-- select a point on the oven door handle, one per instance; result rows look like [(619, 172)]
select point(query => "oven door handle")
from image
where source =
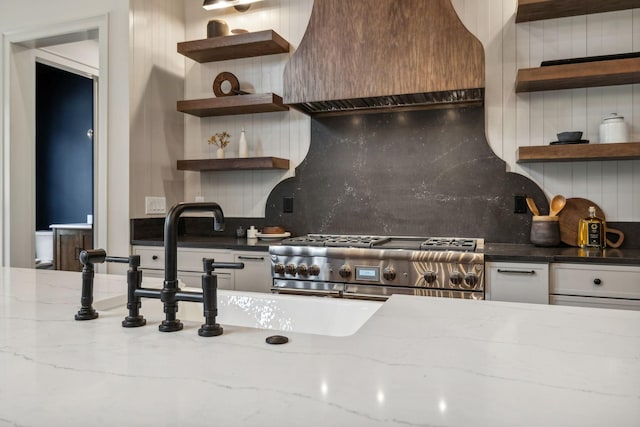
[(312, 292), (371, 297)]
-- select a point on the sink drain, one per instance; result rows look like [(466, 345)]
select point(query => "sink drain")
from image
[(277, 339)]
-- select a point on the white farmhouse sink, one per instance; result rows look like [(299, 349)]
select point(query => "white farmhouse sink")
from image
[(292, 313)]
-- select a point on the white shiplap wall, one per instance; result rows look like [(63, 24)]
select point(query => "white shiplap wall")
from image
[(156, 82), (534, 118), (512, 120), (281, 134)]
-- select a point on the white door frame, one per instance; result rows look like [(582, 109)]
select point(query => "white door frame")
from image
[(17, 156)]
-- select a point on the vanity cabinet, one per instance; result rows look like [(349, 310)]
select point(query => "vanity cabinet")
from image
[(189, 264), (517, 282), (68, 242), (256, 275), (589, 285)]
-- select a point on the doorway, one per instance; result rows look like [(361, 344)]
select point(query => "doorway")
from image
[(21, 52)]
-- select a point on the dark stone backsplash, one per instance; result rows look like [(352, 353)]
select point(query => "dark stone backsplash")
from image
[(412, 173), (428, 172)]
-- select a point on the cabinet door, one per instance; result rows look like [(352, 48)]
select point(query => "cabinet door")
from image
[(68, 243), (518, 282), (256, 274), (595, 280)]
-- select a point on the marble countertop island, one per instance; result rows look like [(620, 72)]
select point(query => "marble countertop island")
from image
[(418, 361)]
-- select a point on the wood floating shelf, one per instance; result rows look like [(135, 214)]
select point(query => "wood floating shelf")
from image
[(586, 74), (248, 163), (232, 105), (577, 152), (245, 45), (535, 10)]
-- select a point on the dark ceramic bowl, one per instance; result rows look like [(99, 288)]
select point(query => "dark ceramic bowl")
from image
[(569, 136)]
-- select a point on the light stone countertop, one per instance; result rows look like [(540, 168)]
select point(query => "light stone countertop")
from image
[(418, 361)]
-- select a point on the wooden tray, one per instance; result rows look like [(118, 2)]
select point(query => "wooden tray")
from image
[(569, 217)]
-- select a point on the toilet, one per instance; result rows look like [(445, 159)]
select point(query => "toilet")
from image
[(44, 249)]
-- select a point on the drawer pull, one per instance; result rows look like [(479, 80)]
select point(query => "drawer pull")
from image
[(500, 270), (155, 257), (597, 281), (254, 258)]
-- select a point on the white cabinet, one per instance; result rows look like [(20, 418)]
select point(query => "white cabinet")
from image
[(190, 268), (517, 282), (595, 285), (256, 275)]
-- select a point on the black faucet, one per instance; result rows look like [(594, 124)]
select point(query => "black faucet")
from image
[(170, 288), (170, 294)]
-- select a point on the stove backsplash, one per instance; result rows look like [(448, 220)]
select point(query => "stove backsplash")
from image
[(427, 172)]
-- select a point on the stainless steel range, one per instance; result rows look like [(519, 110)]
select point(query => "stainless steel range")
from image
[(374, 267)]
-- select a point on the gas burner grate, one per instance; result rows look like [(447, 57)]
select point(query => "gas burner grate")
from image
[(333, 240), (354, 241), (448, 244)]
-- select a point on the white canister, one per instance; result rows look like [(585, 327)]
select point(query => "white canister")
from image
[(614, 129)]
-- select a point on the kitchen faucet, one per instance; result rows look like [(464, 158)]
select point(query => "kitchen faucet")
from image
[(170, 293)]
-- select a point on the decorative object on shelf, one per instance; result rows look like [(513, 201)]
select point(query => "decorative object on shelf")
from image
[(252, 233), (613, 129), (243, 150), (232, 83), (221, 140), (217, 28), (239, 5), (571, 137)]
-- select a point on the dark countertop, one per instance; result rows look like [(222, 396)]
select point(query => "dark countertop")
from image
[(213, 242), (493, 251), (530, 253)]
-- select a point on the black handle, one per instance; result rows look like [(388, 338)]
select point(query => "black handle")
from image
[(253, 258), (155, 257), (597, 281), (500, 270)]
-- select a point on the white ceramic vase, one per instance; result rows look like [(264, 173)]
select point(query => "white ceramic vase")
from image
[(243, 150), (220, 153)]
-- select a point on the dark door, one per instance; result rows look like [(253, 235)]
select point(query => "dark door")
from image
[(64, 151)]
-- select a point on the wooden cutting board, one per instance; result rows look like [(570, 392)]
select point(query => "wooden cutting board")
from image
[(569, 217)]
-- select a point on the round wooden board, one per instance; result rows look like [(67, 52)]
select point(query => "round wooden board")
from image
[(569, 217)]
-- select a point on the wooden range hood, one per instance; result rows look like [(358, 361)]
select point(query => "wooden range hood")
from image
[(362, 55)]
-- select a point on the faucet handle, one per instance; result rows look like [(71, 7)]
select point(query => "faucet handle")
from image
[(210, 264)]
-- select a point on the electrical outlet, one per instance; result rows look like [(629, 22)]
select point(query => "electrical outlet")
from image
[(155, 205), (287, 205), (520, 203)]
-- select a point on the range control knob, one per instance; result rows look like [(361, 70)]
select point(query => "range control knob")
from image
[(314, 270), (471, 279), (456, 277), (389, 273), (302, 270), (278, 268), (430, 276), (291, 269), (345, 271)]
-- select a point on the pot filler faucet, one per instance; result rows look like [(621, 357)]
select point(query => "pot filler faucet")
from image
[(170, 293)]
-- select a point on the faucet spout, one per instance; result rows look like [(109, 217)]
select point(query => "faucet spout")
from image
[(168, 293)]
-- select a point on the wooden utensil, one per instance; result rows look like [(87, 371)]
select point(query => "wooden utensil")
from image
[(576, 208), (532, 206), (557, 204)]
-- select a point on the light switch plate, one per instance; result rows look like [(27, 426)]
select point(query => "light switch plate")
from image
[(155, 205)]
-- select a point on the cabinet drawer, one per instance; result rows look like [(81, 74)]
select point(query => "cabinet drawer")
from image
[(620, 304), (191, 259), (190, 278), (607, 281), (188, 259), (256, 275), (517, 282)]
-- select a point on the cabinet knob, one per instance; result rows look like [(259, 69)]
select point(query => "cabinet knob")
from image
[(155, 257), (597, 281)]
